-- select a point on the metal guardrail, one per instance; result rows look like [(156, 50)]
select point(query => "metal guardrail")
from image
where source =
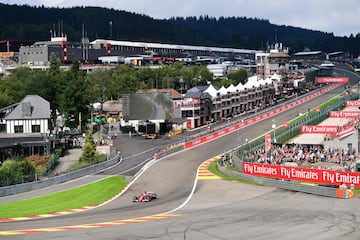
[(20, 188)]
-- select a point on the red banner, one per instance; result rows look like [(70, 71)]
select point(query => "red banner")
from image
[(333, 80), (344, 114), (267, 142), (301, 174), (346, 132), (355, 103), (318, 129), (212, 136)]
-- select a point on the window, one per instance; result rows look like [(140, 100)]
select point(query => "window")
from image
[(35, 128), (18, 128)]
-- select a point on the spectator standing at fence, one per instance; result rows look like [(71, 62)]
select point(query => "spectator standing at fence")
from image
[(231, 160), (343, 186)]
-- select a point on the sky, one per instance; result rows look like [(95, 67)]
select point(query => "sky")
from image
[(332, 16)]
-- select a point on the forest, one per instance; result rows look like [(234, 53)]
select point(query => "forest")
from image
[(23, 22)]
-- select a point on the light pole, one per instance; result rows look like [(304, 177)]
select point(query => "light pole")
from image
[(181, 81), (193, 112), (274, 127), (241, 129)]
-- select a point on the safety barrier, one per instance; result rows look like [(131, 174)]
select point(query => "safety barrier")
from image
[(291, 185), (20, 188)]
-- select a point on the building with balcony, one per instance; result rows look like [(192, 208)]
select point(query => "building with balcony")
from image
[(204, 104)]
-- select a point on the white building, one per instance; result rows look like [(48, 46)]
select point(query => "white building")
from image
[(31, 115), (218, 70)]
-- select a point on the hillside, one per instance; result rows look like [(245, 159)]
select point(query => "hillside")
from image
[(36, 23)]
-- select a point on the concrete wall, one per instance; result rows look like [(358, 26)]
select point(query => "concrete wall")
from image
[(34, 54)]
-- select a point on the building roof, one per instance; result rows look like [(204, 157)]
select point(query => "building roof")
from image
[(31, 107), (150, 45), (231, 88), (278, 55), (336, 53), (240, 86), (212, 90), (113, 106), (174, 94), (309, 53), (198, 88), (223, 91), (193, 94), (252, 82), (178, 120)]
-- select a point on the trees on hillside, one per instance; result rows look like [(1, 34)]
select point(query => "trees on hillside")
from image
[(239, 32)]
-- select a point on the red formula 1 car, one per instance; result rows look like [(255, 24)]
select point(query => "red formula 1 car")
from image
[(145, 197)]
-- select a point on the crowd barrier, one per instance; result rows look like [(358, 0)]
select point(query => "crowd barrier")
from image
[(291, 185)]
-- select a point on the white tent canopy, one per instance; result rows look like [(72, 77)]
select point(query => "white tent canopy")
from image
[(252, 82), (231, 88), (223, 91), (212, 91), (240, 87)]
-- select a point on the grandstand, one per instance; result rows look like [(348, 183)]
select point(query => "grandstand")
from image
[(343, 139)]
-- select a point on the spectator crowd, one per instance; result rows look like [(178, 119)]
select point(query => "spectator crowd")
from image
[(304, 155)]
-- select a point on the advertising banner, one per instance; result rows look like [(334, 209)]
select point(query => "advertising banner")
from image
[(344, 114), (301, 174), (346, 132), (267, 142), (333, 80), (355, 103), (318, 129)]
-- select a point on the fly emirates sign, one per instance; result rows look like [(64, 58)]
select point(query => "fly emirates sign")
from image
[(333, 80), (301, 174), (318, 129), (355, 103), (344, 114)]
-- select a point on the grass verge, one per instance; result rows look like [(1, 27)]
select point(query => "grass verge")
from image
[(87, 195), (213, 167)]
